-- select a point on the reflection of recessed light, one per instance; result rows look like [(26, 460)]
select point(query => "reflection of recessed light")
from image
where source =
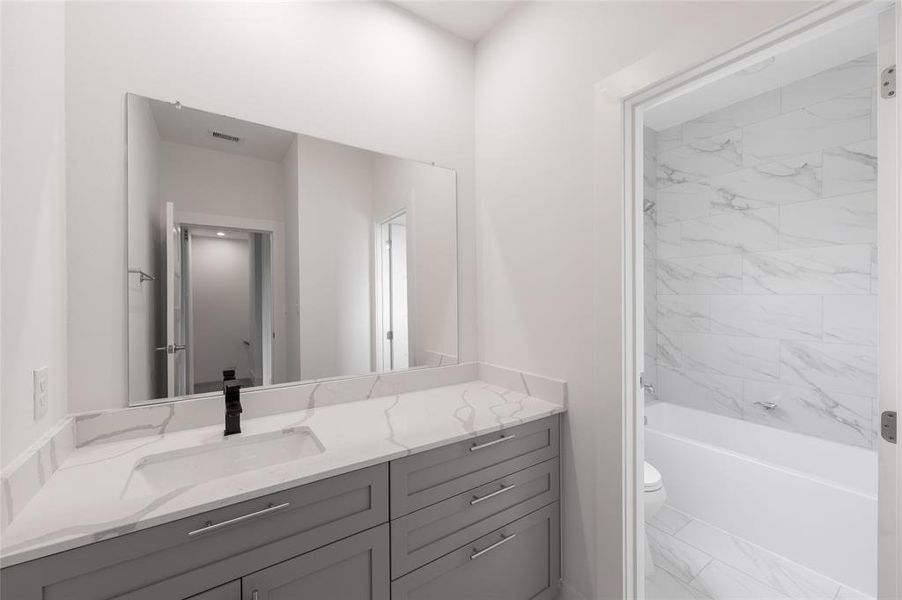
[(220, 233)]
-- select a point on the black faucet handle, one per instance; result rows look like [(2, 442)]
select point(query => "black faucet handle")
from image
[(232, 392), (228, 374)]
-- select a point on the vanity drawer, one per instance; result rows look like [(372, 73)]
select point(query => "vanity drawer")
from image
[(517, 562), (179, 559), (429, 477), (436, 530)]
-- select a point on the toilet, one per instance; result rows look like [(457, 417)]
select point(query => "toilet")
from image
[(653, 497)]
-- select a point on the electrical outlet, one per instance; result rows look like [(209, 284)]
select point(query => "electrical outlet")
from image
[(41, 379)]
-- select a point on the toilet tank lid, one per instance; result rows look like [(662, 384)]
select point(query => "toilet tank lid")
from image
[(652, 478)]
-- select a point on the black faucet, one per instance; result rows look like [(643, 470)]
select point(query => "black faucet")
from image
[(232, 391)]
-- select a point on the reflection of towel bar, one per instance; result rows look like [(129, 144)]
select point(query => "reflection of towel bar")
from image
[(142, 275)]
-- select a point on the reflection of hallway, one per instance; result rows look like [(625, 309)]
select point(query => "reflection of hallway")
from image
[(696, 560)]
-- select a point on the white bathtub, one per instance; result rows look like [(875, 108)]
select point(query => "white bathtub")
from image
[(810, 500)]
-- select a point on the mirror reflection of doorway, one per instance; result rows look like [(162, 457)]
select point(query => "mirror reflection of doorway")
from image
[(395, 350), (226, 291)]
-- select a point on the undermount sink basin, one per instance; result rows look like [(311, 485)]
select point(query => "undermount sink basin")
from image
[(230, 456)]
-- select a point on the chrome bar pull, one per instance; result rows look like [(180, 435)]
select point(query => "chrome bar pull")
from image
[(766, 405), (504, 539), (210, 527), (503, 438), (504, 488)]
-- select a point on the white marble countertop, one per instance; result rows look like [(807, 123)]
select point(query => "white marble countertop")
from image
[(85, 499)]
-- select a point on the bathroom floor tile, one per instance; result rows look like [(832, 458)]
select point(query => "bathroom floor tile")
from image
[(669, 520), (723, 582), (696, 560), (845, 593), (778, 573), (675, 556), (665, 586)]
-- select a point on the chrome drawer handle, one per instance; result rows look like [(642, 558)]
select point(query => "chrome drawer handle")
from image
[(504, 539), (504, 488), (503, 438), (210, 527)]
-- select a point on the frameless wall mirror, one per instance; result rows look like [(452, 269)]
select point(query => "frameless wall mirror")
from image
[(279, 256)]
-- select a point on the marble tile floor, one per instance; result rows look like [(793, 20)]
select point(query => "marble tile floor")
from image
[(696, 560)]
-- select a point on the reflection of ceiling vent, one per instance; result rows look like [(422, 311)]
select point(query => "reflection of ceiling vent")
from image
[(225, 136)]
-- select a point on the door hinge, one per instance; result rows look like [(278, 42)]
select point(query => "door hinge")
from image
[(888, 82), (390, 335), (888, 426)]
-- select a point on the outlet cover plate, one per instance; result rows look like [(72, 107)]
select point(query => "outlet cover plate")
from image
[(41, 382)]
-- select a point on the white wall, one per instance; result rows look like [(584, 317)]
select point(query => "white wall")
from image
[(550, 234), (335, 198), (200, 180), (364, 74), (33, 216), (427, 194), (220, 280), (145, 230)]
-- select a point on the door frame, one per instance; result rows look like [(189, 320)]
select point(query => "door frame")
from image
[(383, 359), (276, 230), (635, 90)]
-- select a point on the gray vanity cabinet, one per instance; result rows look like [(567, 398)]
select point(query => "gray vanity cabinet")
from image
[(229, 591), (517, 562), (355, 568), (473, 520), (189, 556)]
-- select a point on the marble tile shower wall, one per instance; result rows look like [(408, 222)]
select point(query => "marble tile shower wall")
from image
[(761, 231)]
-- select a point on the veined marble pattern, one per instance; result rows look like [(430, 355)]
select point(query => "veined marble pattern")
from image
[(844, 418), (825, 270), (849, 219), (851, 168), (843, 368), (770, 183), (702, 158), (742, 231), (120, 424), (743, 357), (765, 219), (26, 475), (833, 122), (696, 560), (851, 319), (744, 112), (767, 316), (719, 394), (82, 502), (701, 275)]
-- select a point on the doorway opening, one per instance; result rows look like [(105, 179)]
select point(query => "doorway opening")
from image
[(394, 293), (765, 320), (225, 315)]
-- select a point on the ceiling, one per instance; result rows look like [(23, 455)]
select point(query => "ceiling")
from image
[(792, 64), (194, 127), (469, 19)]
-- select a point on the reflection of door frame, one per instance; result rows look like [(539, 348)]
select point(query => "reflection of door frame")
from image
[(626, 94), (276, 231), (382, 297)]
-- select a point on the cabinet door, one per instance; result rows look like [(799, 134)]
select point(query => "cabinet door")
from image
[(355, 568), (517, 562), (229, 591)]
